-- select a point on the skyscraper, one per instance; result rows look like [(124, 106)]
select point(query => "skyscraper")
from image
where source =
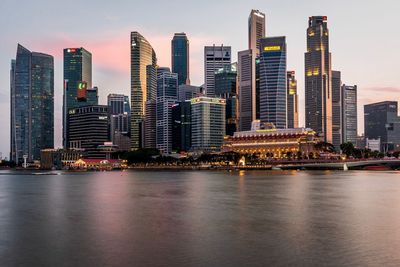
[(225, 87), (208, 123), (167, 96), (273, 87), (119, 119), (292, 101), (256, 29), (187, 92), (349, 114), (215, 57), (32, 104), (336, 109), (318, 78), (180, 57), (142, 55), (247, 72), (181, 126), (77, 84)]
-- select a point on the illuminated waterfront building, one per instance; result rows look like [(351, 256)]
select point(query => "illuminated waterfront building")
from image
[(292, 101), (276, 143), (318, 78), (142, 56), (208, 123), (31, 105)]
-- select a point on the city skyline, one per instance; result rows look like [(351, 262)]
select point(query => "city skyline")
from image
[(111, 72)]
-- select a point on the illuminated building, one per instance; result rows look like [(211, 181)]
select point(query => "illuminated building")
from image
[(382, 122), (273, 87), (225, 87), (292, 101), (31, 105), (181, 126), (337, 138), (318, 87), (215, 58), (349, 113), (276, 143), (167, 96), (142, 55), (180, 57), (77, 84), (88, 129), (208, 124)]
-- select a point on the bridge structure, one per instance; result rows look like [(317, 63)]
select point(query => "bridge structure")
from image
[(388, 164)]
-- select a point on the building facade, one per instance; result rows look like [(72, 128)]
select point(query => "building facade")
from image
[(273, 143), (208, 123), (226, 88), (180, 57), (337, 109), (246, 93), (181, 126), (88, 127), (273, 87), (318, 81), (77, 82), (119, 118), (167, 96), (31, 105), (215, 58), (349, 114), (381, 121), (142, 83), (292, 100), (187, 92)]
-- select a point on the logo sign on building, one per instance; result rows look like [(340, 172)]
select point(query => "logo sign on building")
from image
[(82, 91), (272, 48)]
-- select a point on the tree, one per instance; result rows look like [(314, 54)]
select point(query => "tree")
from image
[(325, 147), (348, 149)]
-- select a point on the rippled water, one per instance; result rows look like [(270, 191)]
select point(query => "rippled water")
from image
[(200, 219)]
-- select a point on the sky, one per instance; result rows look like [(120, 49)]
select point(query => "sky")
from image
[(364, 40)]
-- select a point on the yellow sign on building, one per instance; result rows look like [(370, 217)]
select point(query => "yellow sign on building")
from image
[(272, 48)]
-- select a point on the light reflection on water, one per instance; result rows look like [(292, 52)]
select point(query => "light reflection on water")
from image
[(245, 218)]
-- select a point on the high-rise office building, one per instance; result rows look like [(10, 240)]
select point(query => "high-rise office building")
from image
[(226, 88), (257, 29), (208, 123), (273, 87), (349, 114), (167, 96), (142, 55), (88, 129), (246, 92), (381, 121), (77, 84), (181, 126), (292, 101), (215, 57), (180, 57), (32, 104), (187, 92), (336, 109), (119, 112), (318, 78), (150, 125)]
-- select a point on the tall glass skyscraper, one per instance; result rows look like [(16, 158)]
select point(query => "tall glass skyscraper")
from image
[(167, 96), (142, 55), (78, 90), (318, 78), (257, 29), (337, 109), (32, 104), (273, 99), (180, 57), (292, 101)]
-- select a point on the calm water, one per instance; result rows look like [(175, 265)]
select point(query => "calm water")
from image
[(200, 219)]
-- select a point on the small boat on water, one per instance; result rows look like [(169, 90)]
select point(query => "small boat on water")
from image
[(377, 168)]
